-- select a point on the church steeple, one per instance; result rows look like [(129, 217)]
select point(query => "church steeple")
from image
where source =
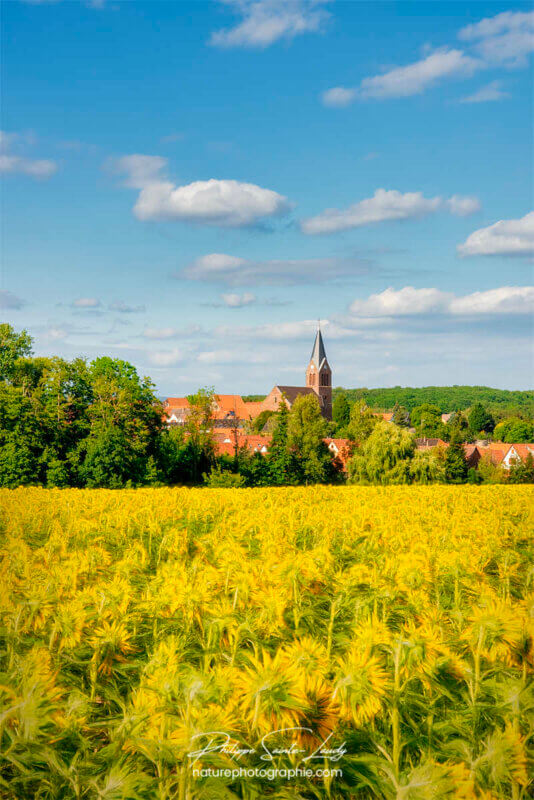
[(319, 375), (318, 353)]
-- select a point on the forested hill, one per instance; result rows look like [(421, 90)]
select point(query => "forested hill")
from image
[(448, 398)]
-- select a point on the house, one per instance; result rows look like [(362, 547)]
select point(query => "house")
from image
[(228, 409), (424, 443), (225, 444), (341, 450), (517, 453)]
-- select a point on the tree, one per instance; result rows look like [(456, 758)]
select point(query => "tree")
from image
[(282, 463), (126, 421), (514, 431), (458, 428), (455, 462), (401, 416), (13, 346), (306, 430), (522, 472), (199, 434), (385, 456), (427, 467), (362, 422), (480, 420), (341, 411), (261, 420), (426, 419)]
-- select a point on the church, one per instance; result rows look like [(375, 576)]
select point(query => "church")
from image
[(318, 381), (229, 409)]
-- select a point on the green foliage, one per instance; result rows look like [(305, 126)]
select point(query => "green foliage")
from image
[(283, 468), (362, 422), (456, 468), (427, 466), (13, 346), (341, 410), (261, 420), (426, 419), (224, 479), (514, 431), (384, 457), (499, 402), (401, 416), (480, 419), (306, 430), (522, 472)]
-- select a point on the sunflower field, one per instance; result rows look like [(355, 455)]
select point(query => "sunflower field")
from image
[(314, 642)]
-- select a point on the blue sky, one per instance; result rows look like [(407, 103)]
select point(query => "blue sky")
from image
[(190, 186)]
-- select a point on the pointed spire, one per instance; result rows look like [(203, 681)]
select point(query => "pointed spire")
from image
[(318, 353)]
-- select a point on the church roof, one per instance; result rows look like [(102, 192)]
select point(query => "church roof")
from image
[(318, 353), (292, 392)]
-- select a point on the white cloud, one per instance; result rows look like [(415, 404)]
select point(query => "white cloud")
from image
[(504, 39), (9, 163), (417, 77), (227, 203), (218, 357), (504, 300), (490, 93), (139, 169), (506, 237), (410, 301), (338, 97), (86, 302), (55, 334), (165, 358), (462, 205), (35, 168), (266, 21), (160, 333), (384, 205), (242, 272), (10, 300), (238, 300)]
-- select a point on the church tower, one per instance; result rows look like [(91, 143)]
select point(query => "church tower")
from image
[(319, 375)]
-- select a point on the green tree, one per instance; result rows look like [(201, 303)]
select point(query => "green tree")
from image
[(283, 465), (427, 467), (458, 428), (306, 431), (200, 446), (261, 420), (401, 416), (341, 411), (385, 457), (362, 422), (426, 419), (480, 420), (522, 472), (126, 421), (514, 431), (455, 462), (13, 346)]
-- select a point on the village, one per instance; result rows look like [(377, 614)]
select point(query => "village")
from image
[(234, 421)]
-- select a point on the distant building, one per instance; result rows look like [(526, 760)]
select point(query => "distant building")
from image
[(318, 382), (230, 410)]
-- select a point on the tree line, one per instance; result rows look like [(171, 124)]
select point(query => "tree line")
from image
[(99, 424), (501, 403)]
